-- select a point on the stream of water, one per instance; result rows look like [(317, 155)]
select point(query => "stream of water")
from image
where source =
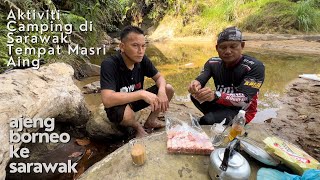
[(180, 63)]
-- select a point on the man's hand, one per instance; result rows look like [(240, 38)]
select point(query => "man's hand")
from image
[(151, 99), (163, 101), (194, 87), (204, 94)]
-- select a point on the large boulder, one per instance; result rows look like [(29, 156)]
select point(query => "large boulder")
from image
[(48, 92)]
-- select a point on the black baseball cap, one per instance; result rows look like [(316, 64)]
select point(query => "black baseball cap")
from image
[(230, 34)]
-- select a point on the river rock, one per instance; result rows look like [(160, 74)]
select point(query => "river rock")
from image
[(99, 126), (92, 88), (89, 69), (48, 92)]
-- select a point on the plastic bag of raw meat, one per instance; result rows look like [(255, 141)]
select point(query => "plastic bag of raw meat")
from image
[(185, 138)]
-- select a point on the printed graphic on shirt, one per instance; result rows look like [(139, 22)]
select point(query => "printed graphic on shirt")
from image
[(236, 97), (248, 61), (137, 86), (252, 83), (130, 88), (221, 88)]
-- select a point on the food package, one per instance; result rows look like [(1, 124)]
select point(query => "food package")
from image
[(294, 157), (185, 138)]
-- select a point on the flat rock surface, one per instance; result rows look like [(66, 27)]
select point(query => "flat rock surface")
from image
[(159, 164)]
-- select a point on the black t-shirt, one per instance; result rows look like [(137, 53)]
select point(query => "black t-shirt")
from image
[(116, 76), (239, 85)]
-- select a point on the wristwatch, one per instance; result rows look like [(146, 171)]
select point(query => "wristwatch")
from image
[(217, 95)]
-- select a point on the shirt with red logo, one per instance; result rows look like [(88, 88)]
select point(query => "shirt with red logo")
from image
[(116, 76), (239, 84)]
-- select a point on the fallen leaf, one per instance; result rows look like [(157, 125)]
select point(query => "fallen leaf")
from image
[(88, 152), (83, 142), (75, 154)]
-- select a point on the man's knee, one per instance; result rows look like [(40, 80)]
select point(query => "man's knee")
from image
[(169, 90), (210, 118)]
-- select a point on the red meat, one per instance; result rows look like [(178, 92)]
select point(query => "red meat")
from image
[(189, 142)]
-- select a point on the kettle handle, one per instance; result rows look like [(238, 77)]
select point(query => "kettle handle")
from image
[(229, 151)]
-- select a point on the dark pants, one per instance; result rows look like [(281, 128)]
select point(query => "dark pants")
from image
[(215, 113), (115, 113)]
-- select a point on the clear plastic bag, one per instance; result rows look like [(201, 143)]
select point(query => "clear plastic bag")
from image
[(185, 138)]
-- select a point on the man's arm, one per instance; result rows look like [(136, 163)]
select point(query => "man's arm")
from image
[(111, 98), (162, 95), (205, 74), (160, 82), (248, 88), (196, 87), (244, 93)]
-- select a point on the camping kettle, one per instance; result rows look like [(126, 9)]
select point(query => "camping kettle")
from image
[(227, 163)]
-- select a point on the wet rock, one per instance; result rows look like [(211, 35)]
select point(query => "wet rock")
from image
[(47, 93), (92, 88), (89, 69), (99, 125), (47, 153)]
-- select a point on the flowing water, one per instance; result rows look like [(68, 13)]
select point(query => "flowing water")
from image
[(180, 63)]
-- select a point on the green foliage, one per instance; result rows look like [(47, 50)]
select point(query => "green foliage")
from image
[(274, 16), (263, 16), (104, 14), (138, 11), (283, 16), (3, 42), (308, 16)]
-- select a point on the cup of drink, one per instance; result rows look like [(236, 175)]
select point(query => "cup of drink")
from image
[(138, 151), (217, 136)]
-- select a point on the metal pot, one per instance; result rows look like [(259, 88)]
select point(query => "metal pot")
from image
[(226, 163), (258, 153)]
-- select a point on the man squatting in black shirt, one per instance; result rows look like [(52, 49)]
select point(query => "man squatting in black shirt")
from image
[(237, 80), (122, 78)]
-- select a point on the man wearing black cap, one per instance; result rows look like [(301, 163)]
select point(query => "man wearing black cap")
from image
[(237, 80)]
